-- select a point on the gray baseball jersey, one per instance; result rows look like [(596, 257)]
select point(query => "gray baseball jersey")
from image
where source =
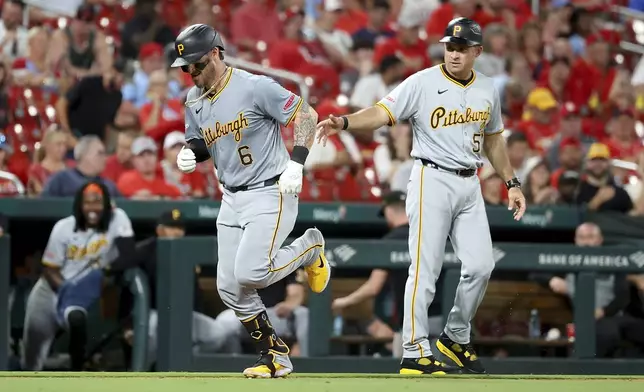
[(241, 127), (448, 120), (71, 250)]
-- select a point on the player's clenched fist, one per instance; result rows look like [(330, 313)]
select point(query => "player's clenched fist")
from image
[(291, 180), (186, 160), (328, 127)]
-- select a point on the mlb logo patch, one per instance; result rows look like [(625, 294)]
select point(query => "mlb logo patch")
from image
[(289, 102)]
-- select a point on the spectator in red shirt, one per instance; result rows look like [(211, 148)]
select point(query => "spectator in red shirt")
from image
[(449, 10), (538, 124), (353, 18), (7, 187), (191, 185), (50, 159), (569, 159), (144, 182), (406, 45), (564, 84), (570, 127), (253, 22), (121, 161), (622, 141), (595, 71), (162, 114)]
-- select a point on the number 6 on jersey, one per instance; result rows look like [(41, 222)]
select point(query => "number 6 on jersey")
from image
[(246, 158)]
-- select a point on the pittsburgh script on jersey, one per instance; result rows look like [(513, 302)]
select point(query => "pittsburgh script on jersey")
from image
[(442, 118), (235, 127), (79, 252)]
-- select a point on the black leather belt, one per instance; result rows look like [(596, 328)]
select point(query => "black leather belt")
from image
[(235, 189), (458, 172)]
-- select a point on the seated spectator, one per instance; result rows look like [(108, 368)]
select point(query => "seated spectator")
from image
[(89, 154), (371, 88), (564, 85), (497, 44), (570, 128), (145, 26), (531, 45), (567, 187), (622, 139), (80, 49), (13, 35), (7, 187), (151, 58), (336, 42), (570, 158), (191, 185), (537, 188), (407, 45), (377, 28), (388, 158), (144, 182), (33, 70), (50, 159), (353, 16), (517, 70), (598, 190), (449, 10), (595, 70), (538, 124), (613, 326), (121, 161), (253, 22), (91, 105), (518, 154), (492, 187), (161, 115)]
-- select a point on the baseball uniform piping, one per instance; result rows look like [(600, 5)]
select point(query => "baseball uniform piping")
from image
[(295, 259), (495, 133), (230, 74), (50, 264), (392, 120), (297, 109), (448, 77), (420, 232), (277, 226)]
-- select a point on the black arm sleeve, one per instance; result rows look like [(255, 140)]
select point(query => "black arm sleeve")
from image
[(198, 146), (620, 290), (127, 257)]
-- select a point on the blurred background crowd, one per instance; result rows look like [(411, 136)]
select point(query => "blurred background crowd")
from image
[(92, 95)]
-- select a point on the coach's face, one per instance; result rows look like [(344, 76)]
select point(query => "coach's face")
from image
[(459, 59)]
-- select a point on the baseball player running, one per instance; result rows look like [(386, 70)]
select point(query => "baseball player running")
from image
[(234, 117), (79, 247), (455, 114)]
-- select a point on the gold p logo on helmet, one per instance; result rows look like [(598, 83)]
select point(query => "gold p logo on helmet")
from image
[(457, 29), (176, 214), (180, 49)]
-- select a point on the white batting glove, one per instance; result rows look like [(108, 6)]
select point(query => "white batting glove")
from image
[(186, 160), (291, 180)]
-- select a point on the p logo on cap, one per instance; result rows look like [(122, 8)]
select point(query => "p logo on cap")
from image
[(457, 29), (176, 214), (180, 49)]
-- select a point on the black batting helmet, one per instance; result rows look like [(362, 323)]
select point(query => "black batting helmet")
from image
[(194, 42), (463, 31)]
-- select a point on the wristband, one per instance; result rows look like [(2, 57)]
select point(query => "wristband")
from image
[(346, 123), (513, 183), (299, 154)]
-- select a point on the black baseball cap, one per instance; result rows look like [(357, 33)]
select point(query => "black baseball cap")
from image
[(172, 218), (569, 177), (393, 197)]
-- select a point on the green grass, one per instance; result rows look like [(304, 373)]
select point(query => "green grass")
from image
[(227, 382)]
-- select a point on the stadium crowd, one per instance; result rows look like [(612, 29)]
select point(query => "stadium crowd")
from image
[(92, 95)]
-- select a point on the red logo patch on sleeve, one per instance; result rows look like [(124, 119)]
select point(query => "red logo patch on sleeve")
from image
[(289, 102), (388, 98)]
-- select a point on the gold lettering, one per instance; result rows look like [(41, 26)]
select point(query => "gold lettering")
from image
[(77, 253), (235, 127), (440, 117), (436, 116), (180, 49)]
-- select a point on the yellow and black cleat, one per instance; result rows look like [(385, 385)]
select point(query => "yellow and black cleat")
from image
[(462, 354), (319, 274), (267, 367), (426, 365)]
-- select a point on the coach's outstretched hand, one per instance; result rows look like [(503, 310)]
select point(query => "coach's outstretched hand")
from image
[(186, 160), (328, 127), (291, 180), (516, 202)]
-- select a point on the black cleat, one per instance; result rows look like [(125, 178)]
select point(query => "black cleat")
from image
[(462, 354), (426, 365)]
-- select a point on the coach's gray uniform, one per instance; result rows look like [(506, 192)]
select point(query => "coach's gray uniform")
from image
[(449, 122), (71, 251), (241, 127)]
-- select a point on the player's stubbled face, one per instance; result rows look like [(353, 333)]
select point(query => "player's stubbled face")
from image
[(459, 57), (202, 73), (92, 208)]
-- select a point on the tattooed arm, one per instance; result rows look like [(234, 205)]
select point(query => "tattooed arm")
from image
[(305, 121)]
